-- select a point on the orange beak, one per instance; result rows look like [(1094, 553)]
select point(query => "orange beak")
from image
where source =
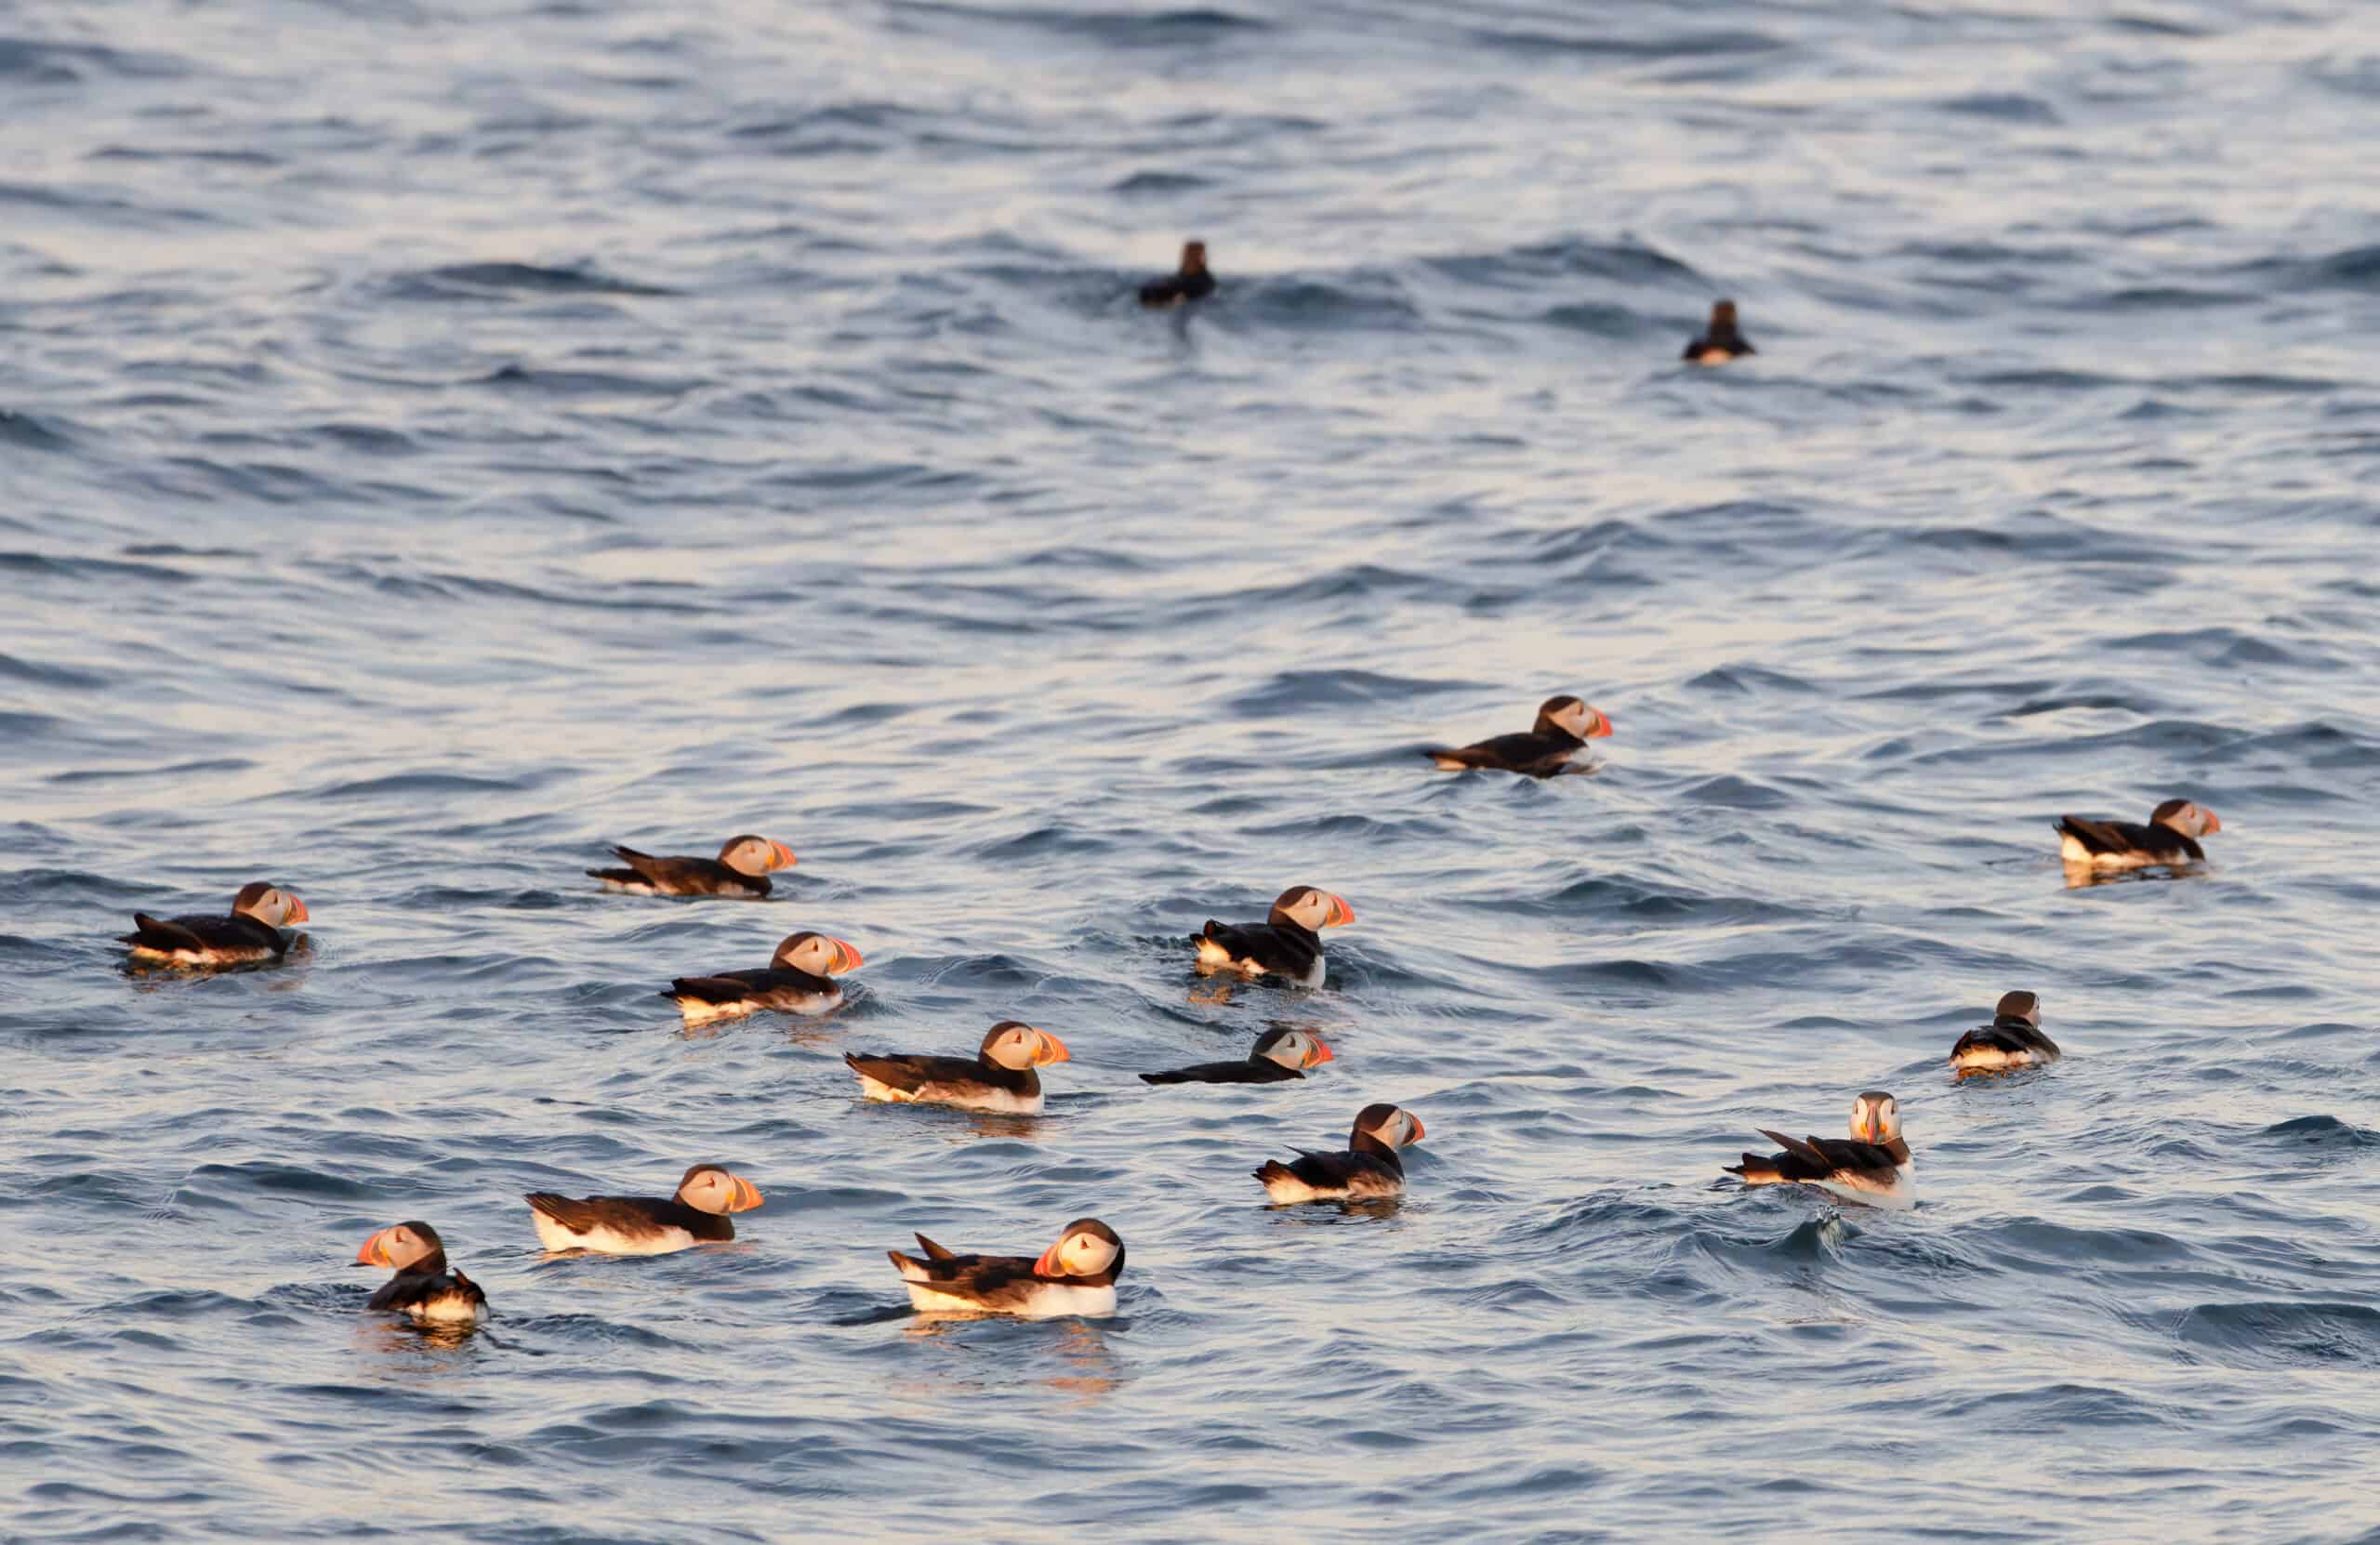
[(1602, 724), (1048, 1264), (1340, 912), (1319, 1055), (2212, 823), (1052, 1049), (846, 958), (782, 854), (1417, 1127), (746, 1197), (375, 1252), (298, 913)]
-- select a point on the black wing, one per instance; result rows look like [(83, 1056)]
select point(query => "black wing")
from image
[(2124, 836), (1524, 751), (233, 931), (725, 987), (905, 1072), (1274, 948), (2018, 1036), (687, 877), (1323, 1171), (1825, 1156), (1249, 1070)]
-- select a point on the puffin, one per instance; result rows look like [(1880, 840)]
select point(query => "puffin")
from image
[(796, 982), (1720, 342), (425, 1290), (1280, 1056), (646, 1225), (2012, 1040), (1191, 281), (1368, 1167), (1872, 1167), (2167, 839), (1564, 726), (999, 1078), (1076, 1276), (1288, 942), (251, 933), (741, 870)]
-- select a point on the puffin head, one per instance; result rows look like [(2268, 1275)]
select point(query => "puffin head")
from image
[(1310, 909), (2185, 817), (1876, 1117), (1089, 1248), (1390, 1124), (1193, 258), (2023, 1006), (399, 1245), (755, 856), (268, 904), (709, 1188), (1723, 317), (816, 954), (1583, 719), (1293, 1048), (1017, 1045)]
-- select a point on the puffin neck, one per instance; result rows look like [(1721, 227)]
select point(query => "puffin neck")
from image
[(1552, 732), (1022, 1080)]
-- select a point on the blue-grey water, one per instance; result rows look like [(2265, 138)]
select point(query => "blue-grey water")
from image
[(437, 439)]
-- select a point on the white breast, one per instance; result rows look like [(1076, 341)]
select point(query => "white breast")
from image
[(454, 1308), (1895, 1192), (973, 1097), (608, 1240), (702, 1011), (1289, 1188), (2075, 853), (1047, 1301)]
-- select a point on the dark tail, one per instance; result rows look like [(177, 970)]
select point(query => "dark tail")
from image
[(1164, 1078), (1756, 1170), (1275, 1169), (624, 876)]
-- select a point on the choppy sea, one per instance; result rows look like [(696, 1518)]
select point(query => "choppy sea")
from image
[(439, 439)]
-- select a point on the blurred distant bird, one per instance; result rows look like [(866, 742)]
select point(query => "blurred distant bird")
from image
[(1721, 342), (1191, 281)]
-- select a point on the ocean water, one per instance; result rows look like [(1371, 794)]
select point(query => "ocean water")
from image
[(439, 439)]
